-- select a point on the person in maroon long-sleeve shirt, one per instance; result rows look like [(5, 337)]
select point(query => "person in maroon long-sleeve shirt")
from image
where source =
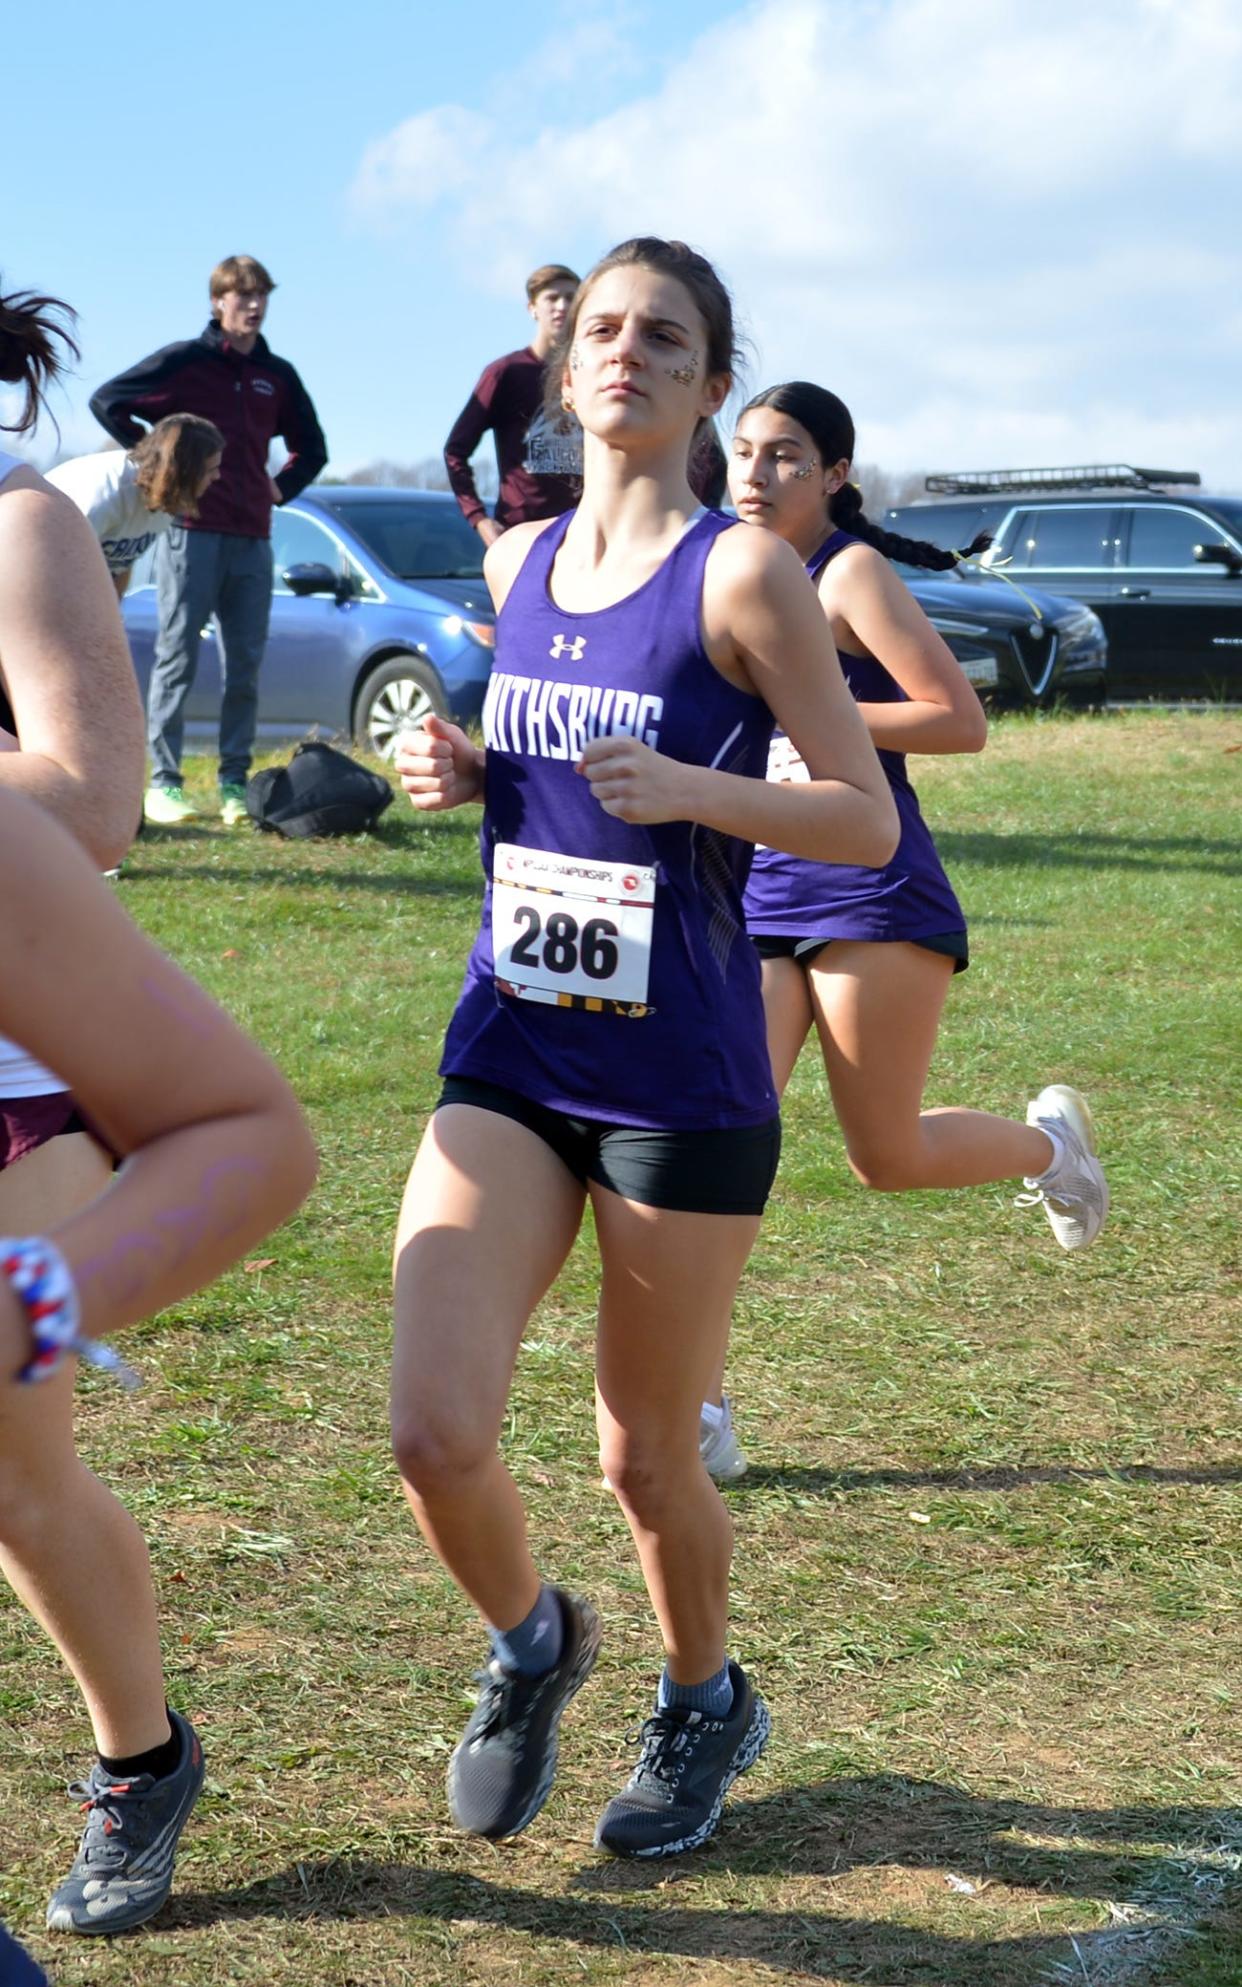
[(539, 458), (218, 561)]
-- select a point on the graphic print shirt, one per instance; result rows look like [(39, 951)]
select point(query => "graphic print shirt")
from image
[(104, 487)]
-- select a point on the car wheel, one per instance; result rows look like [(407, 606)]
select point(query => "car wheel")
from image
[(394, 699)]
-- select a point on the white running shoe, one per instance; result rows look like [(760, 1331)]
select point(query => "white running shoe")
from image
[(1074, 1193), (168, 806), (718, 1443)]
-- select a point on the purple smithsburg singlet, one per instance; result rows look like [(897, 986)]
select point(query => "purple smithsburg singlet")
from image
[(911, 898), (611, 977)]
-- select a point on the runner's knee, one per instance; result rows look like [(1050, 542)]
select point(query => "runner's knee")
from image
[(34, 1487), (884, 1165), (436, 1447), (647, 1471)]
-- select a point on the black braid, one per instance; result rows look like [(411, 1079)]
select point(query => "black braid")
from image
[(828, 422), (846, 511)]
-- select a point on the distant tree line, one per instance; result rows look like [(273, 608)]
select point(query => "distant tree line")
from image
[(880, 487), (427, 474)]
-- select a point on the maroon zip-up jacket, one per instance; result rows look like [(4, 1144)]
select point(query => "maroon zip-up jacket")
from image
[(251, 396)]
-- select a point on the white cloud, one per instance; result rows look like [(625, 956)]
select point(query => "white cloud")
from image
[(969, 216), (427, 159)]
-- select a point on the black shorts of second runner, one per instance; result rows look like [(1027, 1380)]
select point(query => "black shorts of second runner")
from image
[(953, 944), (687, 1172)]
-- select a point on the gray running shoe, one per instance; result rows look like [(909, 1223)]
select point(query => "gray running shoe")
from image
[(687, 1765), (502, 1771), (1075, 1199), (123, 1870), (718, 1445)]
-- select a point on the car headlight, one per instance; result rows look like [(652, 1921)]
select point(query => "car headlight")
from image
[(1085, 626), (482, 632)]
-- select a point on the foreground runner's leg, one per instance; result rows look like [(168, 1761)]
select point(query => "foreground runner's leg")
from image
[(669, 1282), (489, 1215), (72, 1552)]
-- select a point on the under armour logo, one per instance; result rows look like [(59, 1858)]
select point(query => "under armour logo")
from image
[(574, 649)]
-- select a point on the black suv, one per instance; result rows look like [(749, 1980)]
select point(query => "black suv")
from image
[(1160, 564)]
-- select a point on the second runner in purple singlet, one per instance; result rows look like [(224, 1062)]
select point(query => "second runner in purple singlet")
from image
[(609, 1039), (866, 956)]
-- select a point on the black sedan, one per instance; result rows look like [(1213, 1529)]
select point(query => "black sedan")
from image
[(1022, 649)]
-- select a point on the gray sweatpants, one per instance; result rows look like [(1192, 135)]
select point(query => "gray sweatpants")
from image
[(198, 574)]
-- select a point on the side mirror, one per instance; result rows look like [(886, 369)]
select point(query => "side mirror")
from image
[(312, 578), (1219, 555)]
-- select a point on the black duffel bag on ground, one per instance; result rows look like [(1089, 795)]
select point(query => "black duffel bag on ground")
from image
[(320, 792)]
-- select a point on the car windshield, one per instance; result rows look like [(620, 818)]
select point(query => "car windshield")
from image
[(1229, 510), (417, 541)]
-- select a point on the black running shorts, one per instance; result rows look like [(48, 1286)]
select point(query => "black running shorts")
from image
[(688, 1172)]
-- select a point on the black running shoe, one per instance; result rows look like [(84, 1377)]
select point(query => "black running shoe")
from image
[(123, 1870), (501, 1773), (688, 1764)]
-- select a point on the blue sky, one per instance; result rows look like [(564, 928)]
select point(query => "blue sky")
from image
[(1004, 234)]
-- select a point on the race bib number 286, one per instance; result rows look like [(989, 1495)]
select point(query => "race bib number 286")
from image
[(571, 931)]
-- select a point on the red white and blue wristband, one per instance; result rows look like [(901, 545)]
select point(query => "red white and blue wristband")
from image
[(43, 1284)]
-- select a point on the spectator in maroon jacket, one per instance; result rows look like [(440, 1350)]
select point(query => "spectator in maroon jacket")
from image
[(220, 560), (539, 456)]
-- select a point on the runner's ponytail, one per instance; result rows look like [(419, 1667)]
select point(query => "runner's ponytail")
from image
[(29, 356)]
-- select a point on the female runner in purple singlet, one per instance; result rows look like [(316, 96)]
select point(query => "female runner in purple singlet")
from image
[(608, 1043), (865, 956)]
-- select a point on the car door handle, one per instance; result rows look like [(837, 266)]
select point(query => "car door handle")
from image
[(1135, 592)]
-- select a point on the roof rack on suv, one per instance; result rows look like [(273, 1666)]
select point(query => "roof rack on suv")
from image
[(1096, 476)]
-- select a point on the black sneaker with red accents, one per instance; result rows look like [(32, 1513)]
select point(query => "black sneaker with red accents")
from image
[(123, 1870), (687, 1765)]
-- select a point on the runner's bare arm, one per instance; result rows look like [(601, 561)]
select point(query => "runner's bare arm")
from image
[(860, 590), (219, 1150), (440, 768), (502, 561), (67, 669), (765, 631)]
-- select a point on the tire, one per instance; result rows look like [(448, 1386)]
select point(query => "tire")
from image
[(394, 698)]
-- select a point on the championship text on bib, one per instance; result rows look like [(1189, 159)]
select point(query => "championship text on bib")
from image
[(572, 931)]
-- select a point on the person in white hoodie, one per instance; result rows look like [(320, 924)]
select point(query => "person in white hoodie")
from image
[(130, 496)]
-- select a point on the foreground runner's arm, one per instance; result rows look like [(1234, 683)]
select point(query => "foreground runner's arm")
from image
[(765, 631), (218, 1151), (439, 767), (67, 670)]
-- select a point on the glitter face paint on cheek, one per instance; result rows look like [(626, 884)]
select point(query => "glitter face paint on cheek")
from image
[(687, 374), (575, 359), (804, 474)]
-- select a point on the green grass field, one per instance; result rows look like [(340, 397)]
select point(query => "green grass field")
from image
[(987, 1563)]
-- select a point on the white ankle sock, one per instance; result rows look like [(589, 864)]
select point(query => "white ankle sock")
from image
[(1049, 1174)]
